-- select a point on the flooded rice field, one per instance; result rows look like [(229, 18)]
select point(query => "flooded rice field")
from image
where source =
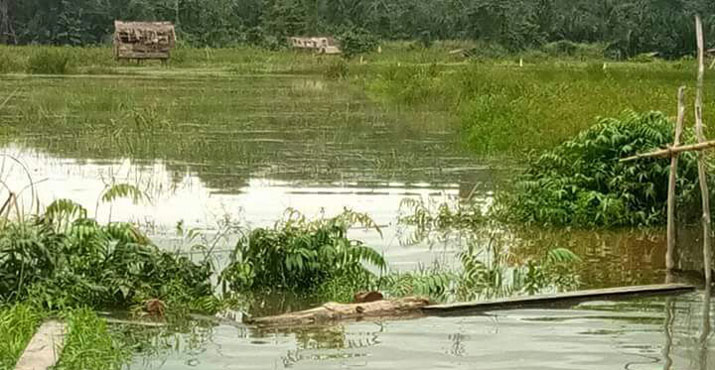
[(242, 150)]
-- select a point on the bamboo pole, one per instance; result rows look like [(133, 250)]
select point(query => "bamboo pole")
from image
[(669, 152), (702, 169), (669, 260)]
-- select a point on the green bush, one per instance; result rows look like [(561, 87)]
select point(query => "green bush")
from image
[(582, 183), (54, 61), (64, 259), (301, 256), (357, 41)]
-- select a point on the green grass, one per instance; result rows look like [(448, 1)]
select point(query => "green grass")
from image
[(17, 326), (501, 109), (90, 344), (505, 110)]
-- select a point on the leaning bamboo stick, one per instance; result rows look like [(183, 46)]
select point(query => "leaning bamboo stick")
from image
[(669, 152), (669, 260), (2, 105), (702, 169)]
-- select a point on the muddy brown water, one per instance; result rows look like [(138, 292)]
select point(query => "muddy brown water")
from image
[(247, 148)]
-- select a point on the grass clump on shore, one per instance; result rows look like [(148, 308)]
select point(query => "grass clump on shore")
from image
[(90, 345), (582, 183), (18, 324)]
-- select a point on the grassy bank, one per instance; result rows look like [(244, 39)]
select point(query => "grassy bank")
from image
[(508, 110), (256, 60), (237, 60), (17, 326)]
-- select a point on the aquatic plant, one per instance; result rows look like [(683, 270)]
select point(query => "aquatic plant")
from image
[(443, 216), (582, 183), (486, 272), (300, 256)]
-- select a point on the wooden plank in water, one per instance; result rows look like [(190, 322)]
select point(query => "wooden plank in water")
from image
[(556, 299), (44, 349)]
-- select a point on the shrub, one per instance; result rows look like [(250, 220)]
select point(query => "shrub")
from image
[(561, 48), (49, 61), (301, 256), (357, 41), (64, 259), (337, 69), (582, 183)]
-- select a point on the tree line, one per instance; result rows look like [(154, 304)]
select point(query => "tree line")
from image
[(627, 26)]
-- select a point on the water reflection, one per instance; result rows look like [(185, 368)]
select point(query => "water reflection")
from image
[(705, 331)]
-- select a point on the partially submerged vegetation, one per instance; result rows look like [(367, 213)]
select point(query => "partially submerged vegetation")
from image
[(508, 111), (62, 259), (304, 257), (90, 344), (582, 183)]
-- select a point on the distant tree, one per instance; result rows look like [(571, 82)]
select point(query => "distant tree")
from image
[(629, 26)]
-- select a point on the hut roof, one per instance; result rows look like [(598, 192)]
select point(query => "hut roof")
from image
[(160, 27)]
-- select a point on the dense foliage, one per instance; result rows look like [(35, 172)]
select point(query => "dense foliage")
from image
[(581, 182), (64, 259), (629, 26), (302, 256)]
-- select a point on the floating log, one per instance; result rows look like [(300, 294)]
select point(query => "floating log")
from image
[(555, 299), (332, 312), (43, 350), (149, 324)]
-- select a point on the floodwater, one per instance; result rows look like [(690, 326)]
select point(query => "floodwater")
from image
[(238, 148), (211, 150), (656, 333)]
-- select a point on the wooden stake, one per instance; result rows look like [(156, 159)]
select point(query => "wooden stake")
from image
[(702, 169), (669, 260)]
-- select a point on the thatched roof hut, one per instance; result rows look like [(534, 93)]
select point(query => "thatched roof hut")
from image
[(322, 45), (143, 40)]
